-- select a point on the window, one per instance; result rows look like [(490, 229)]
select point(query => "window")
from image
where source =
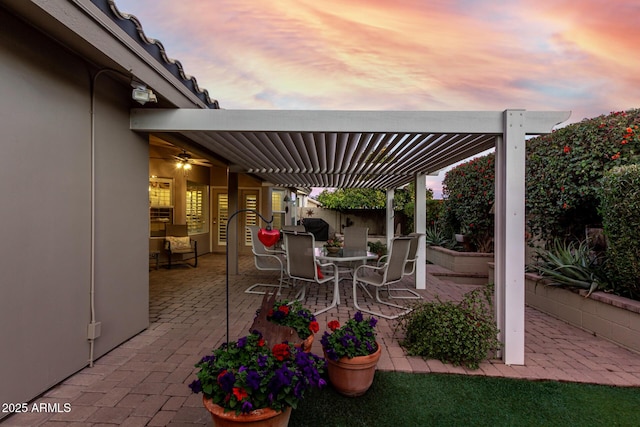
[(223, 218), (277, 209), (160, 205), (197, 204)]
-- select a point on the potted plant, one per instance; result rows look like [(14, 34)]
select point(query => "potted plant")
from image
[(252, 379), (352, 354), (333, 245), (294, 315)]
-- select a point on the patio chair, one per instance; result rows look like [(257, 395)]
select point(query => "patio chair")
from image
[(178, 242), (303, 266), (409, 268), (390, 272), (265, 260), (355, 238)]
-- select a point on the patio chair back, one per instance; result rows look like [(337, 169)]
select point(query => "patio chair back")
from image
[(301, 261), (397, 259), (356, 238), (416, 240)]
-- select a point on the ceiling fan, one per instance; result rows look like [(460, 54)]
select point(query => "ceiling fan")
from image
[(184, 160)]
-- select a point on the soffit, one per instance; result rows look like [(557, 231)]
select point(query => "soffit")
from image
[(357, 149)]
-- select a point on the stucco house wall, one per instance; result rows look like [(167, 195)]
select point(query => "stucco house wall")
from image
[(45, 213)]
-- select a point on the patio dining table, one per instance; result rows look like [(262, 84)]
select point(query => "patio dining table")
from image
[(350, 257)]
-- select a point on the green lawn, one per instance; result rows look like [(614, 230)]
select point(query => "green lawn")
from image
[(401, 400)]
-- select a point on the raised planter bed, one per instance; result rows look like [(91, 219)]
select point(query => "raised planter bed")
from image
[(608, 316), (460, 262)]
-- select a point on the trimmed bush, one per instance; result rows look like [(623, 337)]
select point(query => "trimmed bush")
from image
[(620, 210), (469, 193), (564, 170)]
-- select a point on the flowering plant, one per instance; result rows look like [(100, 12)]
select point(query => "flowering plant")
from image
[(357, 337), (294, 315), (334, 242), (250, 374)]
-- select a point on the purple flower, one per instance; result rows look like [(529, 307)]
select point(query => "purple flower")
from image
[(253, 380), (358, 317), (262, 360), (196, 386), (242, 342), (373, 322), (246, 407), (227, 381)]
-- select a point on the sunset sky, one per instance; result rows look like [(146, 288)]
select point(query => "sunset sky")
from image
[(581, 56)]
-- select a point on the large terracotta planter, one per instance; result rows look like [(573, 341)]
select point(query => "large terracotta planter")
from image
[(266, 417), (353, 377)]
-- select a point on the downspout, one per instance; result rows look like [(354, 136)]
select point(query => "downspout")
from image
[(93, 329)]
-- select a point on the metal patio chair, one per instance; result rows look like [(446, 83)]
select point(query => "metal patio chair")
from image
[(303, 266), (379, 277)]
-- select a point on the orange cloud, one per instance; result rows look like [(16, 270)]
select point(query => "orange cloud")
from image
[(404, 54)]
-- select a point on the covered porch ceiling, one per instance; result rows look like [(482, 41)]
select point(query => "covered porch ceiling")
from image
[(358, 149)]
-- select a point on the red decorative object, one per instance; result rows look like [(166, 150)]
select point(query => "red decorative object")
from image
[(268, 237)]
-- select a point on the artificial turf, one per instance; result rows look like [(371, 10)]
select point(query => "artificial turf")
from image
[(401, 400)]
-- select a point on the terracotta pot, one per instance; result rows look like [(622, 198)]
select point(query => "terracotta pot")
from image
[(265, 417), (353, 377)]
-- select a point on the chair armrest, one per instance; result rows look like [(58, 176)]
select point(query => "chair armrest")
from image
[(382, 260), (370, 267)]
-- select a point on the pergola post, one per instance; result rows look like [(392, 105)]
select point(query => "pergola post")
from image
[(509, 234), (389, 217), (232, 233), (420, 226)]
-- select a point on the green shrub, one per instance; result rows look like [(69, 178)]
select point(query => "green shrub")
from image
[(469, 194), (459, 333), (620, 210), (565, 168), (378, 248)]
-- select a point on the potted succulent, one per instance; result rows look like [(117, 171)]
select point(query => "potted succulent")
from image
[(352, 354), (251, 379), (294, 315)]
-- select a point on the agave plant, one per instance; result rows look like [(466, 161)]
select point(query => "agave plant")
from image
[(571, 264), (434, 236)]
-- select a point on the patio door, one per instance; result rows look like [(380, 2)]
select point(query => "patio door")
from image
[(249, 199)]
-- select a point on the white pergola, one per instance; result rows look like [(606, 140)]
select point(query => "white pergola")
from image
[(383, 150)]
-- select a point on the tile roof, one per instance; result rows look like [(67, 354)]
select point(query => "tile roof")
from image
[(132, 26)]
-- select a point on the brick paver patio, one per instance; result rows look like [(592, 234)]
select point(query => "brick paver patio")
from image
[(144, 380)]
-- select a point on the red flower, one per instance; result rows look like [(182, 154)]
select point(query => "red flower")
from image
[(281, 351), (565, 205), (240, 393), (261, 342), (333, 325), (624, 141), (314, 327), (615, 156), (284, 309), (566, 149)]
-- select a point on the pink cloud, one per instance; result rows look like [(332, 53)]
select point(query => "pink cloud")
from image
[(406, 54)]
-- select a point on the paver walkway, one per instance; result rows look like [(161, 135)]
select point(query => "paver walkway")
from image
[(144, 380)]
